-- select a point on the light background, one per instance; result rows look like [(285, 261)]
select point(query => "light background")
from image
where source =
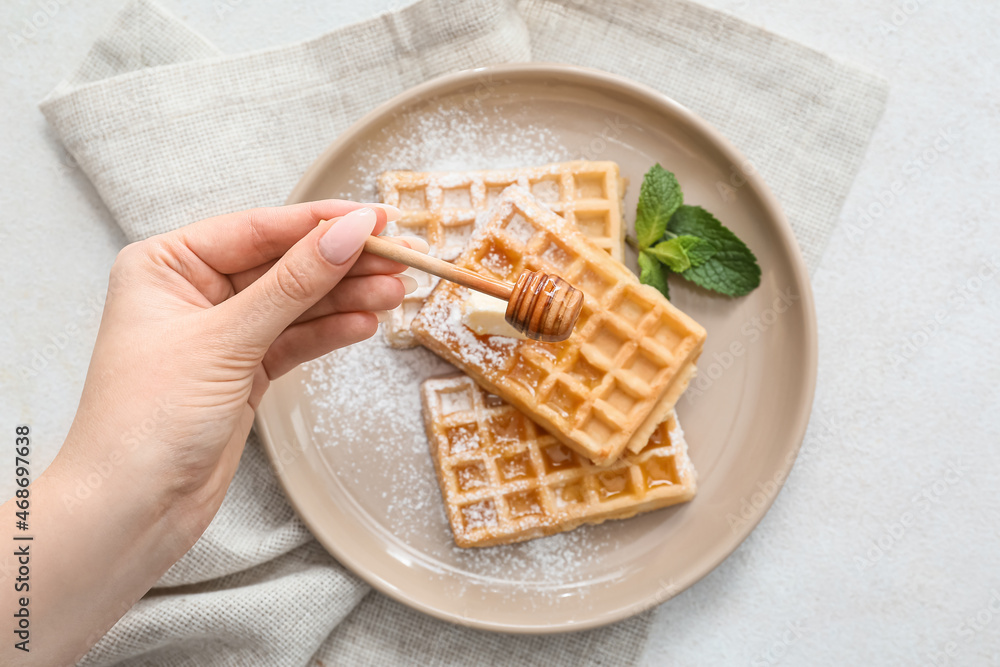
[(909, 368)]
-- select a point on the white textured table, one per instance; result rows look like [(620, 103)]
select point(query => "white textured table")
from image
[(883, 547)]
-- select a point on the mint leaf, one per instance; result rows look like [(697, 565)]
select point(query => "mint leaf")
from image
[(677, 252), (698, 246), (699, 252), (651, 272), (659, 196), (732, 269), (671, 254)]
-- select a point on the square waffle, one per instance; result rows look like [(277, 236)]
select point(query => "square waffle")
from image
[(616, 378), (441, 207), (503, 479)]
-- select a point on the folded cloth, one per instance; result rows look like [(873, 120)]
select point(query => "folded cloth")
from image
[(158, 118)]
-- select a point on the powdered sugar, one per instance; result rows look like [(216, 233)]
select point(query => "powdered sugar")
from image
[(464, 439), (456, 401), (480, 515), (685, 468), (366, 415), (453, 138), (443, 319)]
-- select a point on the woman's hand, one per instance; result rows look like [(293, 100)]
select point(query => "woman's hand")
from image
[(197, 322)]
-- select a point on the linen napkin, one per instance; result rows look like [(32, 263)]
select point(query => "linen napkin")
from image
[(156, 116)]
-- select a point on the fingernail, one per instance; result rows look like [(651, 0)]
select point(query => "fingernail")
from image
[(391, 212), (409, 283), (381, 315), (347, 235), (416, 243)]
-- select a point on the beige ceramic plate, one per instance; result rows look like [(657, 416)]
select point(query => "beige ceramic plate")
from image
[(345, 436)]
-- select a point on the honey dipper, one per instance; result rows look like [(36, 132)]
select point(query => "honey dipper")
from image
[(539, 305)]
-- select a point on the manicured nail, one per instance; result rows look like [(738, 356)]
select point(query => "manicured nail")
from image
[(416, 243), (381, 315), (391, 212), (409, 283), (347, 235)]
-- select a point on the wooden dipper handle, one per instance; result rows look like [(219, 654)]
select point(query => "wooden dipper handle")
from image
[(540, 306), (438, 267)]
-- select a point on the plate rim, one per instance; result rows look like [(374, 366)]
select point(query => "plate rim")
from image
[(575, 75)]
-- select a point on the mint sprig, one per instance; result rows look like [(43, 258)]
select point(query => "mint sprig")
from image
[(652, 272), (659, 198), (673, 237), (682, 252)]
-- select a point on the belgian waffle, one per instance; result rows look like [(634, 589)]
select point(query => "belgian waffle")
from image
[(503, 479), (441, 207), (614, 380)]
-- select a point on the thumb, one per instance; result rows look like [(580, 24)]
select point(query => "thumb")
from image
[(307, 271)]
